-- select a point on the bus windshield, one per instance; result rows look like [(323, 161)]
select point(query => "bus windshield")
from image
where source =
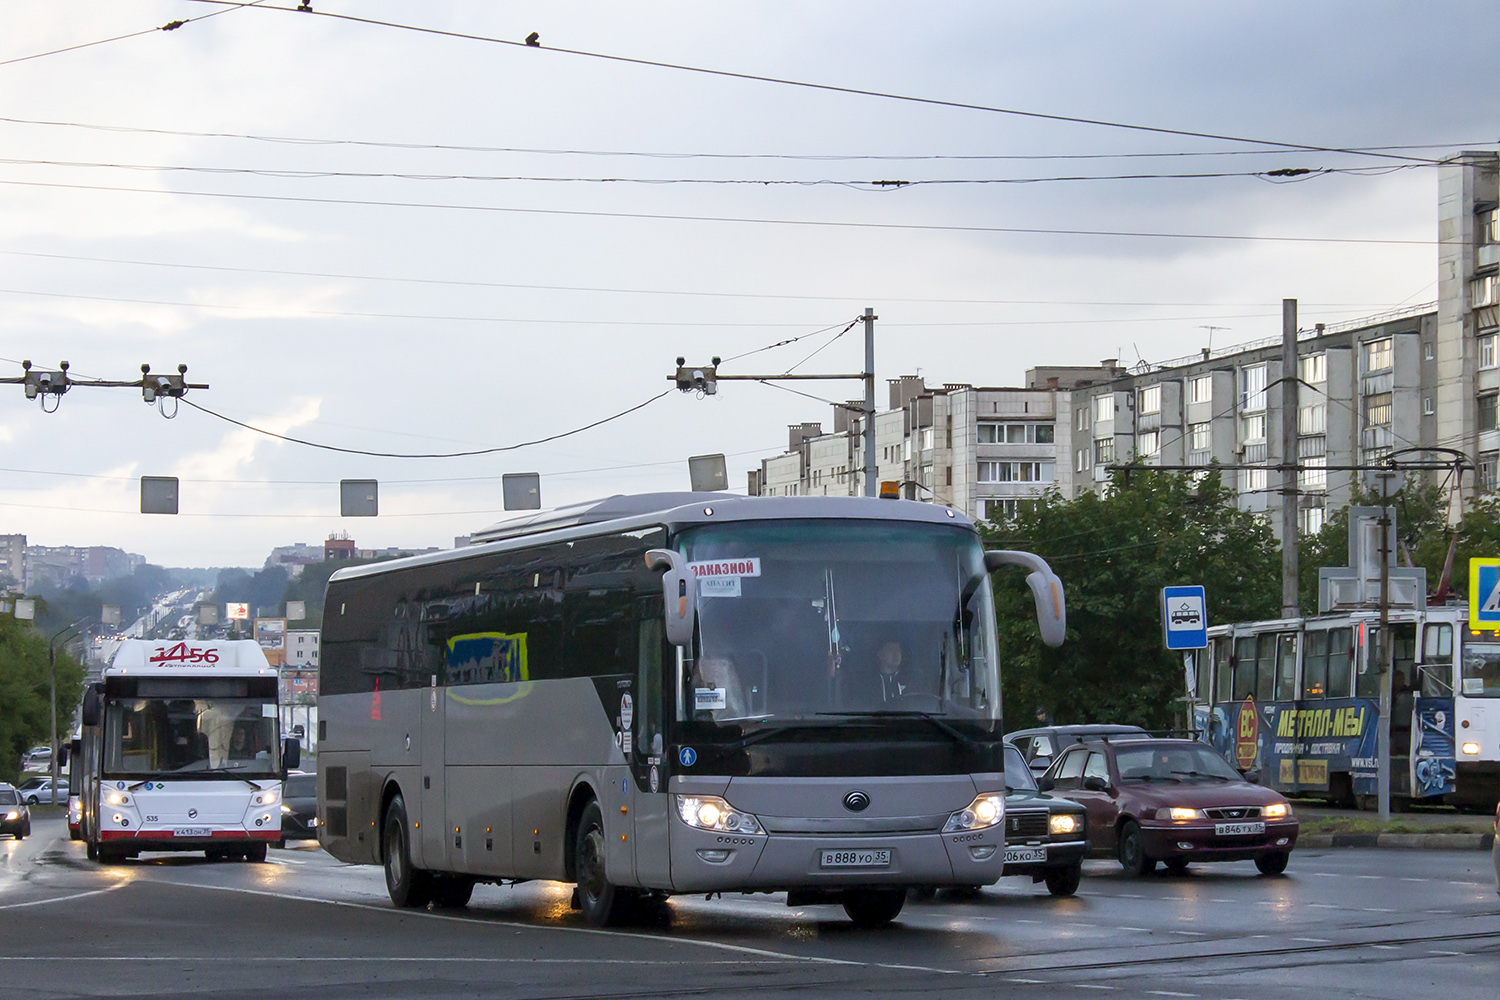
[(185, 736), (807, 621)]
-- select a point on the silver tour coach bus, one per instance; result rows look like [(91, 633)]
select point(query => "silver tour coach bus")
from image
[(675, 693)]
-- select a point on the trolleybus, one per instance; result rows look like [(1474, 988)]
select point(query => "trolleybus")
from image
[(1299, 701), (675, 693), (181, 752)]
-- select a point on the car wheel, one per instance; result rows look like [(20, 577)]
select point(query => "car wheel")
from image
[(453, 892), (1177, 865), (408, 885), (870, 908), (1273, 863), (255, 854), (1064, 881), (601, 902), (1133, 857), (20, 834), (33, 800)]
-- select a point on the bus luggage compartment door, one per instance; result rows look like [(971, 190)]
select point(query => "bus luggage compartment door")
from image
[(435, 831)]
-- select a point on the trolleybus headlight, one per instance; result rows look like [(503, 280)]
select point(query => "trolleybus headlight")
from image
[(985, 811), (117, 799), (1276, 810), (1064, 823), (1472, 749), (1176, 812), (266, 799), (709, 812)]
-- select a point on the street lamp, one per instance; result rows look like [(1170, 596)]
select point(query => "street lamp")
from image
[(52, 664)]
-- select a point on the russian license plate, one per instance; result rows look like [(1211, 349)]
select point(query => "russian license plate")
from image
[(191, 831), (1238, 829), (1020, 855), (856, 859)]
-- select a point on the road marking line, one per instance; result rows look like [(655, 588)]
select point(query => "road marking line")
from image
[(1091, 986), (1450, 954), (1221, 900), (62, 899), (1028, 982), (1386, 947), (1377, 909), (1190, 933), (1169, 993), (718, 945), (1144, 929), (1414, 880), (1315, 940), (1323, 906)]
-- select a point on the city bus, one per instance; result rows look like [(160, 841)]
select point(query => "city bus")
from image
[(181, 752), (1298, 700), (675, 693)]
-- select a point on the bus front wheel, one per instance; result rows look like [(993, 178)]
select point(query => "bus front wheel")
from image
[(873, 907), (408, 885), (256, 853), (602, 903)]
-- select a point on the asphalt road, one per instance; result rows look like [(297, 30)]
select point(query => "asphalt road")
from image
[(1341, 923)]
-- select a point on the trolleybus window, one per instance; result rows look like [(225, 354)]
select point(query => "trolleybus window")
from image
[(800, 621), (1481, 676), (1437, 661), (1286, 666), (1340, 661), (1315, 665), (151, 736)]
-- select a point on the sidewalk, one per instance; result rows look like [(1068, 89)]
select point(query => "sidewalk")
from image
[(1430, 828)]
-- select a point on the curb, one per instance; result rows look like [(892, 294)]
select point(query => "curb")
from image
[(1402, 841)]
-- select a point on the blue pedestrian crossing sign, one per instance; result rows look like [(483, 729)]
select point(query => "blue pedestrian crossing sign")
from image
[(1484, 593), (1184, 617)]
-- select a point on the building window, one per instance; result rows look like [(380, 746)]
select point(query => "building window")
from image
[(1151, 399), (1379, 354), (1484, 290), (1313, 419), (1014, 472), (1030, 433), (1253, 387), (1104, 450), (1427, 408), (1082, 422), (1148, 444), (926, 439), (1485, 474), (1314, 474), (1313, 368), (1253, 481), (1310, 522), (1488, 226), (1081, 460), (1487, 357), (1377, 409), (1104, 407), (1428, 351), (1201, 389), (1487, 412), (1253, 427), (1201, 436)]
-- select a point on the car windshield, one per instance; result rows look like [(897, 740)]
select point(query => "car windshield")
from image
[(803, 620), (1017, 775), (167, 735), (301, 786), (9, 798), (1173, 762)]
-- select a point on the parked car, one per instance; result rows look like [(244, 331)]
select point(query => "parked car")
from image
[(299, 807), (1040, 746), (15, 818), (37, 760), (31, 782), (41, 794), (1045, 836), (1175, 801)]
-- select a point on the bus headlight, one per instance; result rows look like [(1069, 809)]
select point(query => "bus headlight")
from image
[(709, 812), (985, 811), (117, 799), (1064, 823), (266, 799), (1471, 749), (1276, 810)]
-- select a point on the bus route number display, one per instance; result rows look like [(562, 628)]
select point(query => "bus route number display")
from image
[(183, 655)]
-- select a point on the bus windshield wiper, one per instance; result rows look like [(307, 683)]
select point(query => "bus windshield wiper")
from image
[(947, 729)]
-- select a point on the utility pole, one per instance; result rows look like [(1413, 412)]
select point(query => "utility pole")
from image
[(1290, 605), (1387, 651), (52, 702), (872, 472)]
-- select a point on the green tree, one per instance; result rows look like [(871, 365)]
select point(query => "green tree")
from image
[(1114, 552), (25, 680)]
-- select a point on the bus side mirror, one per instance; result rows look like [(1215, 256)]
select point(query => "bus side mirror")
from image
[(1046, 590), (90, 711), (679, 591), (291, 754)]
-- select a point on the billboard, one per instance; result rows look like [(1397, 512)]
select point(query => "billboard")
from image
[(270, 635)]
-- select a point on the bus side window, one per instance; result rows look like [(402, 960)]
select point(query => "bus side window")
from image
[(1340, 661), (1286, 666), (648, 685), (1244, 668), (1437, 661), (1315, 666)]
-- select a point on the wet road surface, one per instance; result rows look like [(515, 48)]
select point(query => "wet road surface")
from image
[(1341, 923)]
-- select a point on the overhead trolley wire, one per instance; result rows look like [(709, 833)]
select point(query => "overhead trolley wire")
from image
[(169, 26)]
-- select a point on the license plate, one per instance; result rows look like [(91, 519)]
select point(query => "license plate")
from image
[(1238, 829), (191, 831), (1019, 855), (856, 859)]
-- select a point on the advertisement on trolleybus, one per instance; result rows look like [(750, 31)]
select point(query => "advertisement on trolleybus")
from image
[(676, 693), (181, 752)]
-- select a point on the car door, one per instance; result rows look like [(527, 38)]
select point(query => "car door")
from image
[(1102, 805)]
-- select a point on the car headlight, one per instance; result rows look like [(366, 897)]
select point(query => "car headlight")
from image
[(985, 811), (1276, 810), (117, 799), (1064, 823), (286, 809), (13, 814), (266, 799), (709, 812), (1176, 813)]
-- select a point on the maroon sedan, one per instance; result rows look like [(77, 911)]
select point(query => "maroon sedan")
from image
[(1173, 801)]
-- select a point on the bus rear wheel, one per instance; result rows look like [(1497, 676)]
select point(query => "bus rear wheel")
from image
[(256, 853), (601, 901), (408, 885), (452, 892), (873, 907)]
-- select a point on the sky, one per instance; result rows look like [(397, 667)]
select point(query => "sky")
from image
[(390, 240)]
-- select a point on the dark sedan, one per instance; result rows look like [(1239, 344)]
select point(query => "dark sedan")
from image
[(1175, 802), (15, 818), (1044, 835), (299, 807)]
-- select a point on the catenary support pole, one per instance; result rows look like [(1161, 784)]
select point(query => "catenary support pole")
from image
[(872, 471), (1290, 605), (1387, 648)]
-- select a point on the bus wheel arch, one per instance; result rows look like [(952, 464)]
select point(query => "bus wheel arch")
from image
[(578, 800)]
